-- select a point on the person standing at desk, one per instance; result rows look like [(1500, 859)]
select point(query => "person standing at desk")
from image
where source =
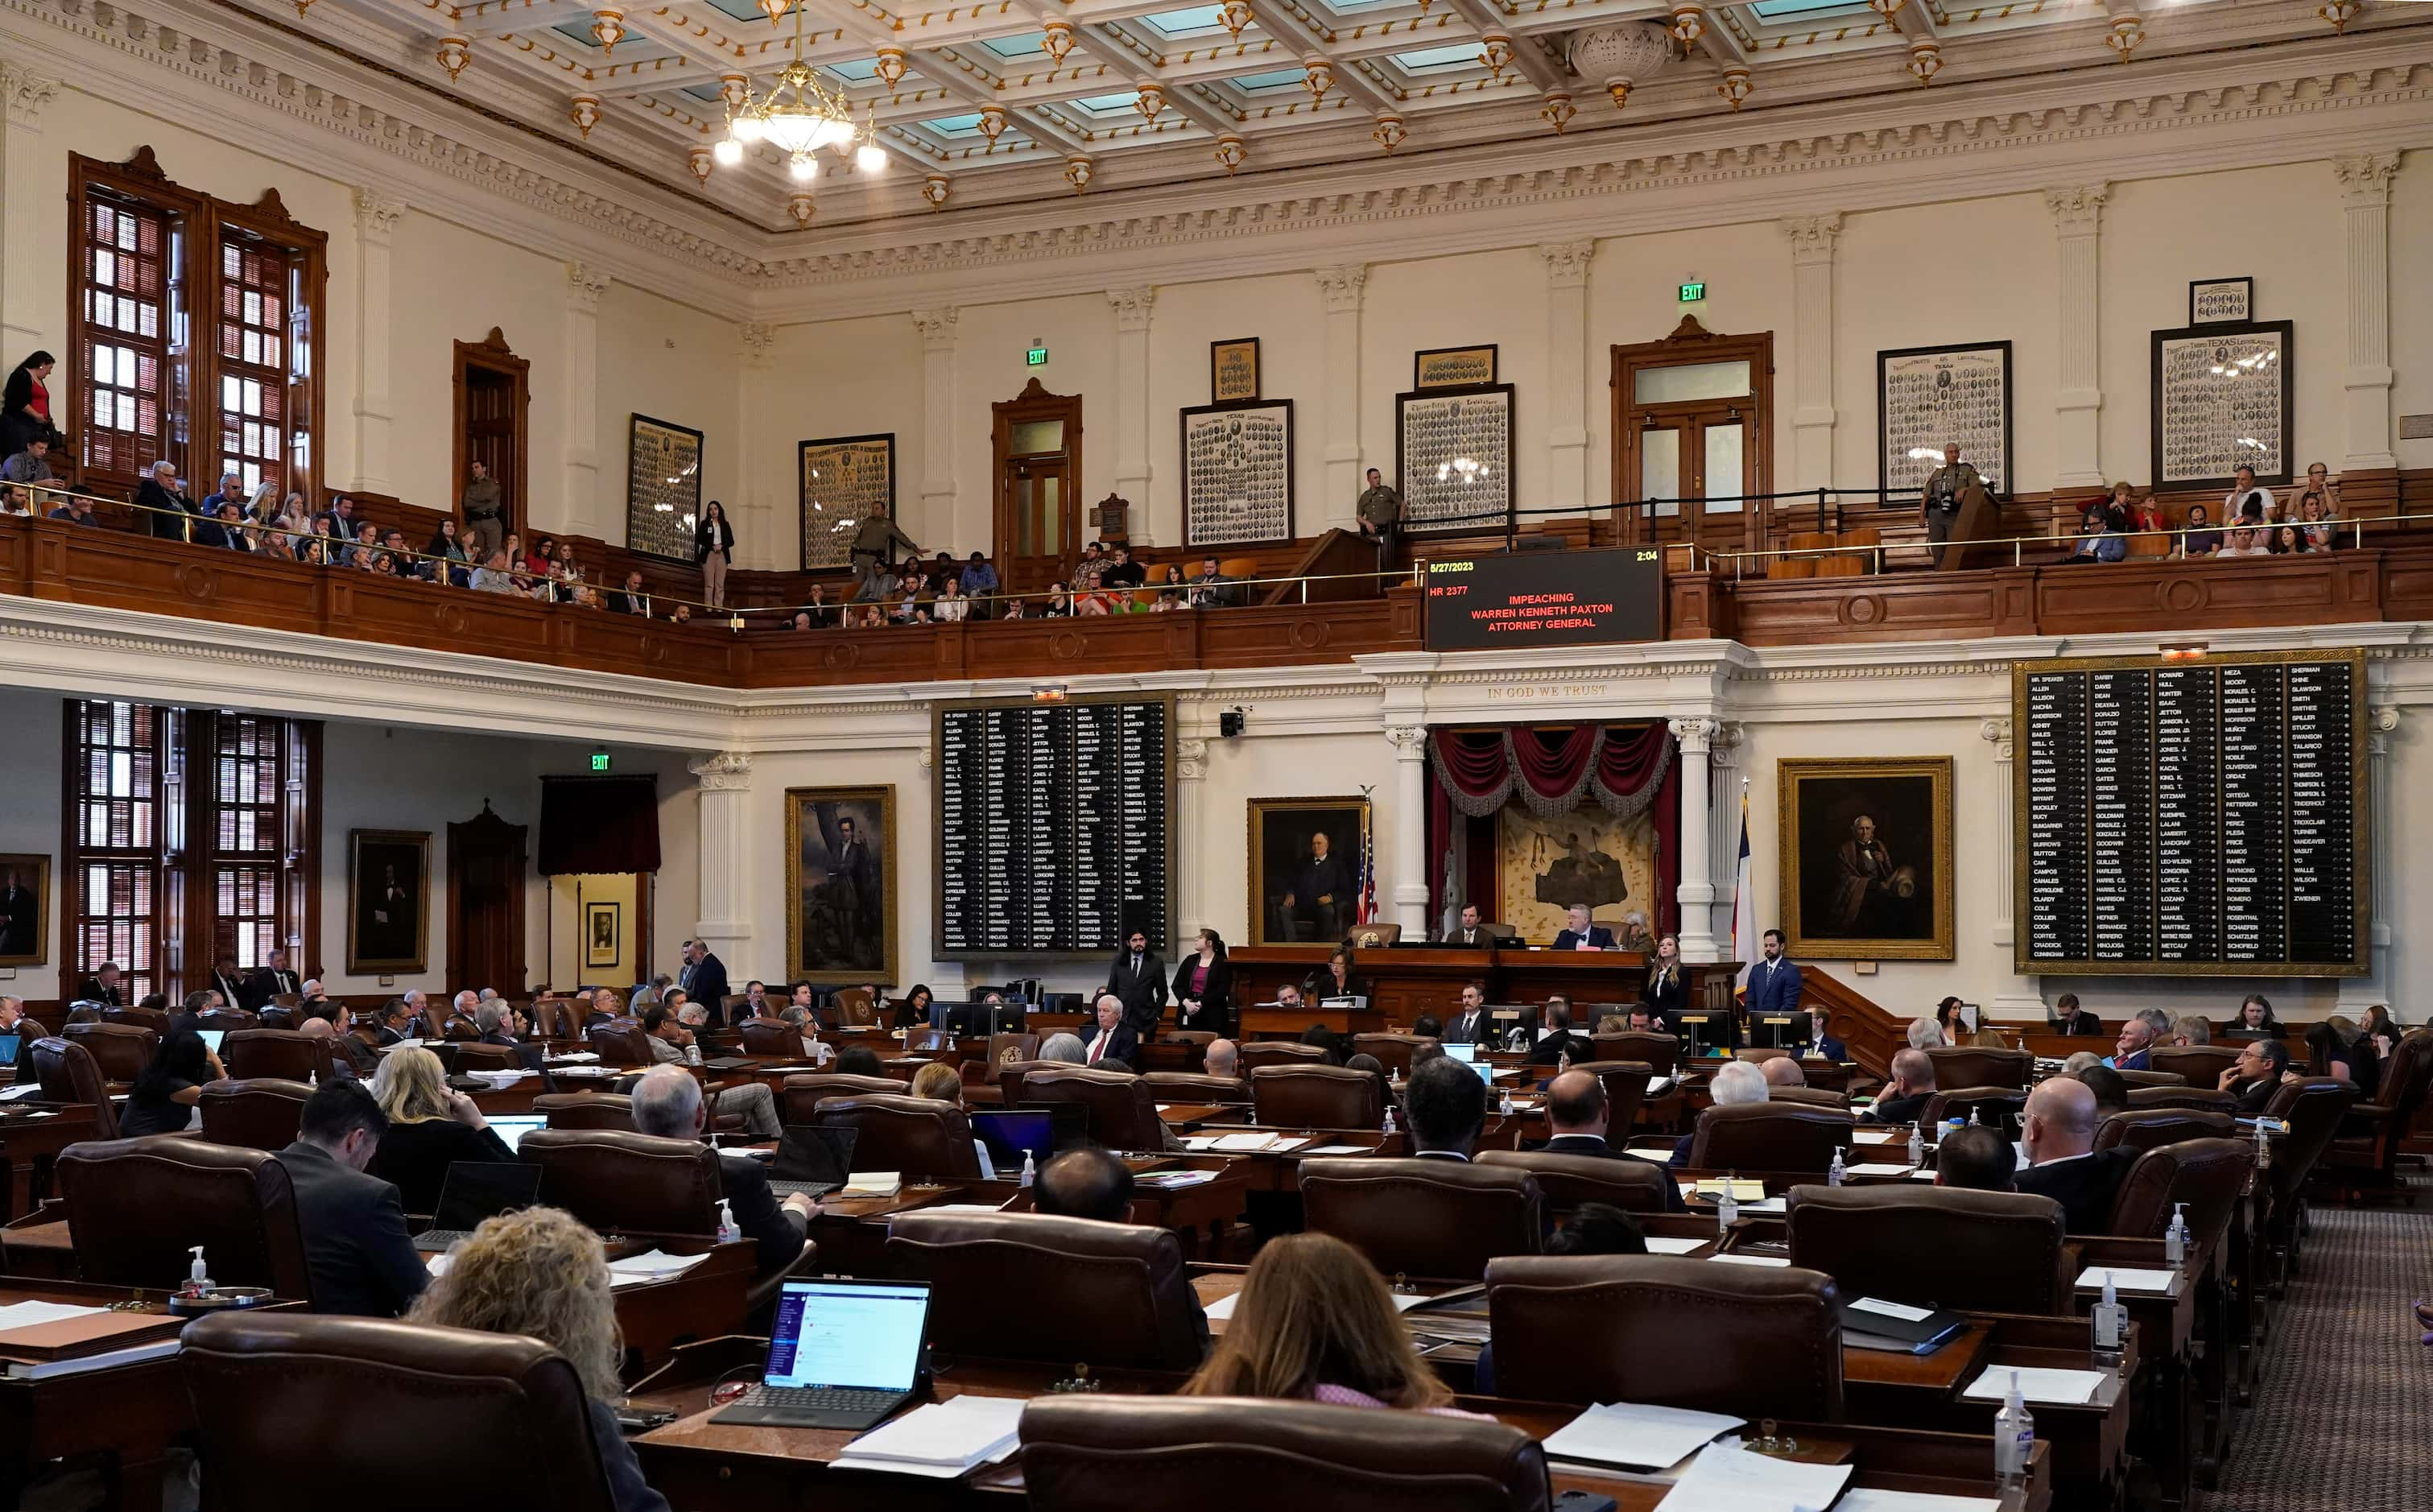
[(1204, 987), (1137, 979), (1667, 989), (1773, 982), (1580, 934)]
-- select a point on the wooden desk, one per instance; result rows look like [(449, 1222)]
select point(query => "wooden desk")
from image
[(30, 1132), (852, 1231), (1404, 983)]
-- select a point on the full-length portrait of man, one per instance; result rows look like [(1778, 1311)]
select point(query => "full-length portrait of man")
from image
[(1865, 873), (843, 897)]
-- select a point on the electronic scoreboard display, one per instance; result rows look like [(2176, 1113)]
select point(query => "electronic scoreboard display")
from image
[(1495, 603)]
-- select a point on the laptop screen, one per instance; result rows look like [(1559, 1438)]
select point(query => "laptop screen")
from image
[(808, 1152), (1010, 1135), (212, 1039), (840, 1333), (513, 1129), (483, 1189), (1462, 1050)]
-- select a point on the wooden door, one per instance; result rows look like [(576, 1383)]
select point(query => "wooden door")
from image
[(1692, 418), (1037, 448), (1692, 461), (485, 904), (493, 405)]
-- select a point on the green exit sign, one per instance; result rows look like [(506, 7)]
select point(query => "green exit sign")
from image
[(1693, 293), (598, 760), (1035, 357)]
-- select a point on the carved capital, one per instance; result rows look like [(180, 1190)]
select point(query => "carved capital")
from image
[(1812, 237), (1191, 759), (758, 340), (1997, 733), (926, 757), (1722, 747), (1132, 307), (1410, 741), (377, 213), (23, 92), (2078, 209), (1339, 286), (725, 771), (1695, 735), (585, 284), (1567, 263), (2381, 722), (937, 328), (2365, 177)]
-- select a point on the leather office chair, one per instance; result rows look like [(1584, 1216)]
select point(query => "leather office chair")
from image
[(2153, 1078), (1112, 1293), (471, 1056), (585, 1109), (287, 1055), (1769, 1136), (259, 1114), (2143, 1128), (1986, 1252), (1009, 1075), (1975, 1065), (1257, 1053), (772, 1037), (1809, 1097), (1625, 1088), (459, 1028), (799, 1099), (1393, 1051), (555, 1018), (2205, 1175), (2204, 1099), (731, 1008), (1568, 1181), (1668, 1331), (1994, 1103), (918, 1136), (150, 1018), (1654, 1050), (273, 1017), (854, 1007), (1100, 1453), (67, 1074), (1192, 1086), (1122, 1112), (2199, 1066), (619, 1183), (1315, 1097), (282, 1400), (135, 1205), (926, 1039), (228, 1018), (1424, 1217), (121, 1050), (622, 1042), (1002, 1049), (2365, 1151)]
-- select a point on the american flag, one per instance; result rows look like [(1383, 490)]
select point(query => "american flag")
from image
[(1367, 888)]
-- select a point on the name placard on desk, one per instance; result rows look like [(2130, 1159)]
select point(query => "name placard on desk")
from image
[(2203, 817)]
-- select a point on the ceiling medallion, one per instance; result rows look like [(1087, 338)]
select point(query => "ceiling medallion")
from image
[(584, 111), (1231, 151), (1690, 23), (455, 55), (1620, 57), (1058, 42), (607, 29), (1389, 132), (2126, 33), (1925, 60), (1735, 86), (1559, 109)]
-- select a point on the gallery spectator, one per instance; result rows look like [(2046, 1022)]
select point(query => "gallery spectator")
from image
[(2200, 539), (2315, 520), (951, 605), (1059, 604), (2244, 540), (2289, 541), (2099, 540), (2246, 501), (163, 503), (26, 408), (1124, 572), (31, 465), (2134, 514), (76, 510), (979, 579), (1212, 588), (1171, 592), (492, 576)]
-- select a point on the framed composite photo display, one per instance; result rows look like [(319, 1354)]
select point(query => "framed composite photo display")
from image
[(1454, 366), (2222, 397), (388, 901), (1928, 397), (843, 478), (1234, 371), (1453, 458), (662, 489), (1864, 857), (2212, 301), (840, 878), (1238, 473)]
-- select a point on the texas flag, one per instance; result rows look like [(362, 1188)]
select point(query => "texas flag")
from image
[(1743, 924)]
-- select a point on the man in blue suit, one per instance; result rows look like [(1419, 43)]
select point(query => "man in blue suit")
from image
[(1773, 982), (1582, 935)]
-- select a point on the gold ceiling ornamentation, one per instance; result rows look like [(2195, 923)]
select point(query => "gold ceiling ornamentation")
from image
[(1390, 132), (1735, 86), (1230, 150), (936, 191), (1079, 171), (1150, 99), (1559, 109), (455, 55), (584, 111), (1236, 15), (1317, 76), (609, 30), (1925, 60), (798, 205), (1058, 40), (1690, 23)]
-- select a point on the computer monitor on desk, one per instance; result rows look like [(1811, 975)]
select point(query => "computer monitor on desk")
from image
[(1777, 1031), (1703, 1033)]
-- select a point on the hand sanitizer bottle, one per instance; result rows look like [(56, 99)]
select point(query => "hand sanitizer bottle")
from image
[(728, 1230), (1916, 1145), (1836, 1176), (2111, 1326), (198, 1279), (2263, 1148), (1505, 1107), (2175, 1238), (2015, 1439), (1728, 1207), (1030, 1168), (1389, 1123)]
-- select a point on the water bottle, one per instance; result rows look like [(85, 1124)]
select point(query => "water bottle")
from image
[(1728, 1207), (729, 1232), (2111, 1327), (1838, 1174), (2175, 1238), (692, 1055), (1030, 1168), (2015, 1439), (1916, 1146)]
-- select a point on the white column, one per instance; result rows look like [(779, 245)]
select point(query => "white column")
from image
[(1697, 891), (770, 534), (1338, 289), (2365, 197), (1567, 375), (2358, 992), (936, 524), (2078, 226), (1132, 308), (377, 213), (726, 855), (1190, 896), (1410, 827), (587, 512), (30, 319), (2019, 997), (1812, 240)]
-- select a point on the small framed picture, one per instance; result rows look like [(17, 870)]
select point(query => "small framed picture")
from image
[(603, 942), (1234, 371), (2213, 299), (1453, 367), (24, 909)]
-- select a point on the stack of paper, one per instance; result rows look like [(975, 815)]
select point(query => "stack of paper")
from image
[(2156, 1281), (1745, 1190), (1861, 1500), (941, 1439), (1879, 1168), (652, 1264), (1201, 1142), (1751, 1259), (873, 1183), (1660, 1087), (30, 1088), (1728, 1478), (583, 1056), (1169, 1181), (1637, 1437), (1665, 1244), (1259, 1141), (2069, 1388)]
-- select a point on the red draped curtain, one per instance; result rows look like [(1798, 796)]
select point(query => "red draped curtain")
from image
[(1627, 769)]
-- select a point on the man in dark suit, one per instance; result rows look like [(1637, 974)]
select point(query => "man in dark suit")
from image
[(355, 1246), (2129, 1050), (102, 987), (1137, 978), (1580, 934), (167, 509), (21, 917), (1471, 1025), (1907, 1093), (273, 979), (1577, 1111), (1556, 1039), (1472, 930), (1318, 894), (2058, 1133), (1826, 1047), (1447, 1104), (668, 1105), (703, 979), (228, 981), (1773, 982), (1114, 1040), (2068, 1018)]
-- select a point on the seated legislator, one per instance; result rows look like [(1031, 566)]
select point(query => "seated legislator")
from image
[(1470, 1024), (938, 1082), (1472, 931), (1976, 1159), (541, 1274), (2262, 1066), (1578, 933), (2058, 1135), (1315, 1323), (1577, 1111), (1446, 1104), (1113, 1040), (2067, 1017), (1556, 1044), (2128, 1051), (355, 1243), (1084, 1183), (164, 1098), (430, 1129), (667, 1104), (2255, 1018), (1735, 1082), (752, 1102), (1905, 1096), (1222, 1058), (2111, 1091), (1334, 980)]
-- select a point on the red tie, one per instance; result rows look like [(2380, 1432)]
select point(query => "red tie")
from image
[(1098, 1048)]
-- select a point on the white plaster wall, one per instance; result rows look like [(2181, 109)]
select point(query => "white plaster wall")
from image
[(835, 379), (2411, 300), (990, 340), (1283, 313), (29, 821), (660, 359)]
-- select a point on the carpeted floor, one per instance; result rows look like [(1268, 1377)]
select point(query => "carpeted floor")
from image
[(2341, 1404)]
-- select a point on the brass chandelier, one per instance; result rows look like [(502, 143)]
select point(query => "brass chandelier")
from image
[(798, 115)]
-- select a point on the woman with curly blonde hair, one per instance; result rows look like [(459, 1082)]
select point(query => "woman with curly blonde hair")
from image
[(430, 1128), (541, 1273)]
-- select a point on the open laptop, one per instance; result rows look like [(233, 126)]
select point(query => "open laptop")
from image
[(212, 1039), (842, 1354), (512, 1128), (811, 1161), (9, 1045), (1011, 1136), (1462, 1050), (473, 1191)]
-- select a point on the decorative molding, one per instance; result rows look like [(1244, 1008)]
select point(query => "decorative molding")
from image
[(758, 341), (1338, 287), (584, 287), (377, 213), (1812, 238), (1997, 732), (2078, 209), (1696, 734), (1190, 759), (1132, 307), (23, 92), (1410, 741), (1722, 747), (936, 327), (724, 772), (2365, 177), (1567, 263)]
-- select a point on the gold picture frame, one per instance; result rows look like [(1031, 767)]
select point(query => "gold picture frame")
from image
[(1280, 843), (1454, 366), (388, 901), (24, 909), (1855, 834), (841, 910), (603, 934), (1234, 371)]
